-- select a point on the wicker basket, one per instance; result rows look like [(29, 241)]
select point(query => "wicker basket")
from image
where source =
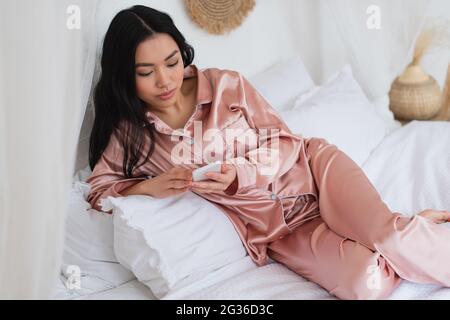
[(415, 95)]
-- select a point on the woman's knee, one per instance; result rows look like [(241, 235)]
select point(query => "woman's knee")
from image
[(319, 152), (314, 144)]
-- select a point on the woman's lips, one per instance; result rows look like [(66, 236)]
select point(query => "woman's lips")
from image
[(167, 95)]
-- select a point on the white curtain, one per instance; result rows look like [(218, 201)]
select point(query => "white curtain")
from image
[(47, 54), (377, 55)]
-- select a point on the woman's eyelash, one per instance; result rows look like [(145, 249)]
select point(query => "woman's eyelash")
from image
[(147, 74)]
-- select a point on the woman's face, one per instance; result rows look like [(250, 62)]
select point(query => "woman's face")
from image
[(159, 65)]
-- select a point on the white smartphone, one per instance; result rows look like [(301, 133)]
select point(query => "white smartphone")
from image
[(199, 174)]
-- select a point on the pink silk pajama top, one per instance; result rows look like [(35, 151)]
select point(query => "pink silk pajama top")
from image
[(272, 197)]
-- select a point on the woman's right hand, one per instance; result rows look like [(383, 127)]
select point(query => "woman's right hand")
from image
[(173, 182)]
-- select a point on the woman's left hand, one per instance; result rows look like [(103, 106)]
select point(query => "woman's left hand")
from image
[(217, 181)]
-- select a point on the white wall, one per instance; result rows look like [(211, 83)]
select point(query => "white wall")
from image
[(270, 32)]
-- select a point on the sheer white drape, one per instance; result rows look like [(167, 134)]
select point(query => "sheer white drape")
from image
[(45, 72), (377, 55)]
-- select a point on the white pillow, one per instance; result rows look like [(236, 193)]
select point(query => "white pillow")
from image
[(283, 82), (171, 242), (89, 245), (340, 112)]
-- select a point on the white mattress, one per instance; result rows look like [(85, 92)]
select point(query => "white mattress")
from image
[(417, 179), (270, 282), (132, 290)]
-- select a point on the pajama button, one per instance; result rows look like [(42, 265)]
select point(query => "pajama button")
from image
[(273, 196), (192, 141)]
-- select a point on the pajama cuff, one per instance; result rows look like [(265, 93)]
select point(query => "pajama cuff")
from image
[(114, 191)]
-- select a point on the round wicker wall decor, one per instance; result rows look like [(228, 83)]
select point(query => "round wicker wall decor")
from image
[(219, 16)]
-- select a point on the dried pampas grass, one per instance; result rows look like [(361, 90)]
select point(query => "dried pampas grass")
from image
[(435, 35)]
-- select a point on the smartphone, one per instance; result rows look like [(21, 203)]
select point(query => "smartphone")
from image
[(199, 174)]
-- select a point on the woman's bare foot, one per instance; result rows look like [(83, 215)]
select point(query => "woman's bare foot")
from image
[(437, 216)]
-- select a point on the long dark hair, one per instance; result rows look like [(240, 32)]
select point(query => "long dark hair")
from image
[(115, 97)]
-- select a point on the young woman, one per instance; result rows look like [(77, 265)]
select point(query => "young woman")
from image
[(306, 205)]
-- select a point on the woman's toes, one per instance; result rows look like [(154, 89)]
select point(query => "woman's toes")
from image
[(437, 216), (447, 215)]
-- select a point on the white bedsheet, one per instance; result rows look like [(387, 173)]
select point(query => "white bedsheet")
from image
[(410, 169), (131, 290), (276, 282)]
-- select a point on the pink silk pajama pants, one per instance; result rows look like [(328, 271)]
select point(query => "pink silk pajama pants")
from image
[(357, 248)]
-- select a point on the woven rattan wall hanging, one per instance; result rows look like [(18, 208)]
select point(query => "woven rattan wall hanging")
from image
[(219, 16)]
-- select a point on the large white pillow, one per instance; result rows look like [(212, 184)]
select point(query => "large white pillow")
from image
[(283, 82), (340, 112), (89, 245), (171, 242)]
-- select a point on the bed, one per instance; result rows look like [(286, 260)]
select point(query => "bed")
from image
[(409, 165), (415, 147)]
